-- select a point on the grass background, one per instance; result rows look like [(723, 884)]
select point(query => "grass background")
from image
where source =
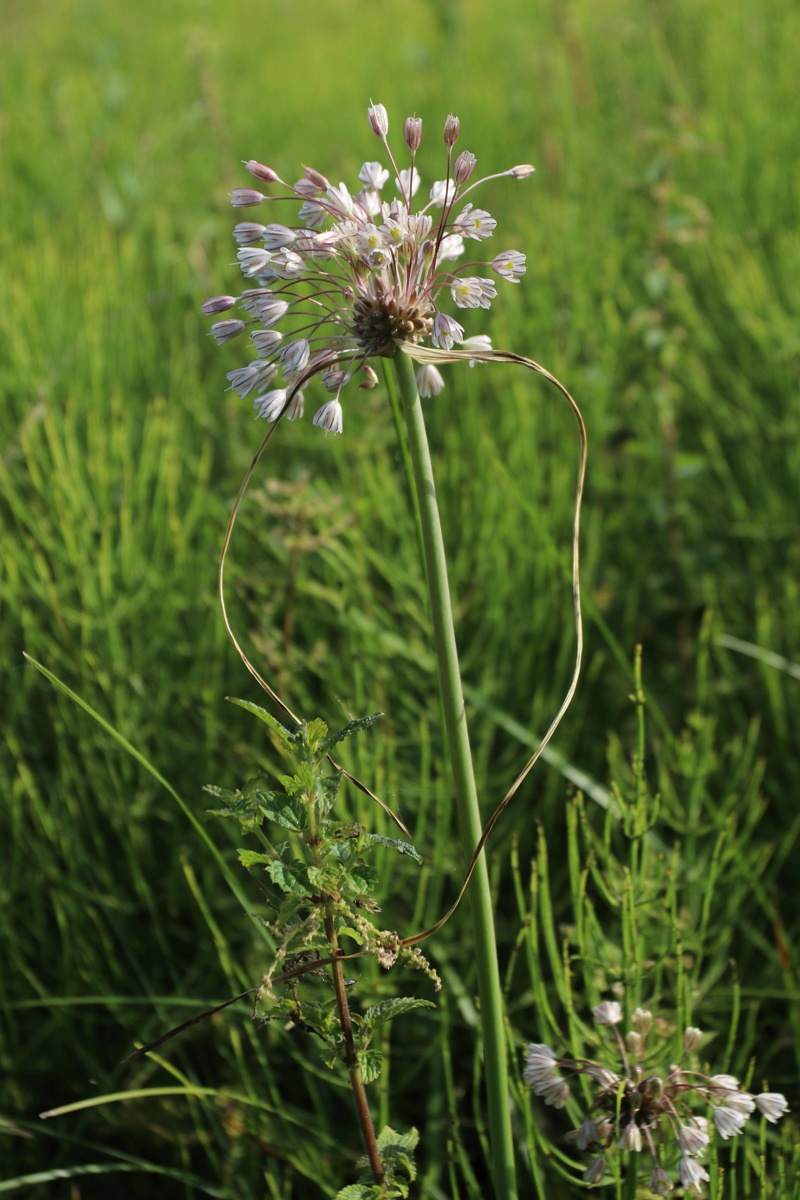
[(661, 230)]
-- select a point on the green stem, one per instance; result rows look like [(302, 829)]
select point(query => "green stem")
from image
[(469, 817)]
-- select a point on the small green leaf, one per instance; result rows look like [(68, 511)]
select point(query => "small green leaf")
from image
[(313, 736), (357, 1191), (291, 812), (371, 1063), (389, 1140), (387, 1010), (287, 736), (328, 791), (377, 839), (291, 877), (254, 858), (361, 877), (350, 728)]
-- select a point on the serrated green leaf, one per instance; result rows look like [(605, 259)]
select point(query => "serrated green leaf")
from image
[(313, 735), (389, 1139), (363, 876), (357, 1191), (402, 847), (328, 792), (371, 1063), (303, 783), (288, 737), (290, 812), (350, 728), (291, 877), (254, 858), (387, 1010)]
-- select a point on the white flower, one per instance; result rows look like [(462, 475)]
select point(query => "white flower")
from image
[(594, 1172), (223, 331), (270, 406), (741, 1102), (554, 1091), (278, 236), (475, 223), (443, 192), (429, 381), (724, 1083), (446, 332), (329, 417), (692, 1175), (540, 1063), (772, 1105), (585, 1136), (244, 379), (510, 266), (631, 1139), (295, 356), (474, 293), (692, 1137), (402, 182), (728, 1121), (450, 248), (660, 1182), (607, 1013), (252, 260), (266, 341), (373, 175)]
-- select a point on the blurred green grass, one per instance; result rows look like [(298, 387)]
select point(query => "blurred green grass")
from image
[(664, 286)]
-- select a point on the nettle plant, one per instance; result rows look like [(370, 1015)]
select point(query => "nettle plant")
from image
[(320, 893)]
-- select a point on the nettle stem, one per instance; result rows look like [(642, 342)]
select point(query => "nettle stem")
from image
[(469, 817), (350, 1052)]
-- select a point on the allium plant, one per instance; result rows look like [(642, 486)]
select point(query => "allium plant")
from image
[(359, 278), (642, 1110)]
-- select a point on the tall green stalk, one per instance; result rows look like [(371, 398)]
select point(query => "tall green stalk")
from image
[(469, 817)]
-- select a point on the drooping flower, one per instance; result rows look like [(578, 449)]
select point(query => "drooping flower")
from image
[(772, 1105), (359, 275)]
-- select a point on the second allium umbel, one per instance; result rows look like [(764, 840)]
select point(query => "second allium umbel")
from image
[(358, 275)]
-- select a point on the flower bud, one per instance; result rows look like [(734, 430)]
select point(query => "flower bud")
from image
[(245, 197), (217, 304), (315, 177), (464, 166), (692, 1037), (634, 1043), (378, 119), (452, 128), (260, 171), (412, 132), (522, 171), (642, 1020)]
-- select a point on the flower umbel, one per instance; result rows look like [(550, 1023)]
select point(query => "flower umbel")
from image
[(636, 1110), (358, 275)]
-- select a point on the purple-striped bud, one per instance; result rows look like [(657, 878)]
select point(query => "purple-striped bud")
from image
[(317, 178), (245, 197), (464, 166), (223, 331), (378, 119), (452, 128), (217, 304), (412, 132), (259, 171)]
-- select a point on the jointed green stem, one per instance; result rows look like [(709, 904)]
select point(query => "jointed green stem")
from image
[(469, 817)]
